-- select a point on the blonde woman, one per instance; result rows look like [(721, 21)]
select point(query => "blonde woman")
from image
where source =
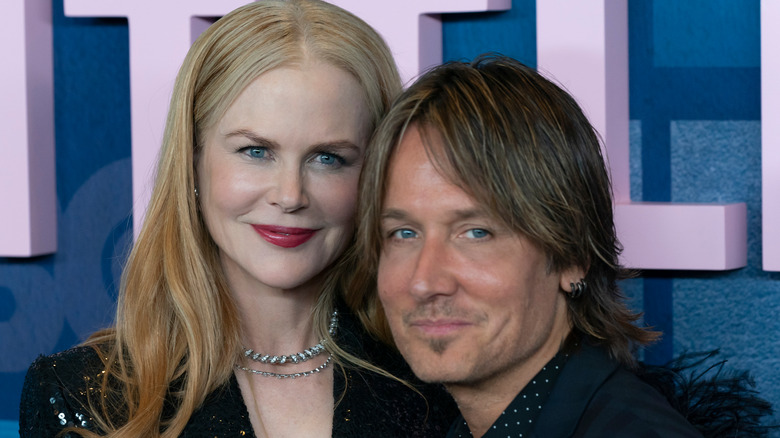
[(230, 320)]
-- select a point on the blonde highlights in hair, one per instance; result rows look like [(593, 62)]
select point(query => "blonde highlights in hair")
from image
[(522, 147), (177, 333)]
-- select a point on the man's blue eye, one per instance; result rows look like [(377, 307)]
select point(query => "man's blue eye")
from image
[(477, 233), (404, 234)]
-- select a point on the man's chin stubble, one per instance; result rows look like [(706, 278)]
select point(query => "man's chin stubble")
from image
[(438, 346)]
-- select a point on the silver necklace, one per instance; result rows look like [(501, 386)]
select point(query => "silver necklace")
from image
[(303, 356), (292, 358), (286, 376)]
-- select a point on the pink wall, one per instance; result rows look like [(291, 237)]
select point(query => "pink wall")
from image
[(582, 45)]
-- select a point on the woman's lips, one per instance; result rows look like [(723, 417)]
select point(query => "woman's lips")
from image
[(285, 237)]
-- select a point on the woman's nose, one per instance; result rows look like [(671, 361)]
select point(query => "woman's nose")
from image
[(289, 193)]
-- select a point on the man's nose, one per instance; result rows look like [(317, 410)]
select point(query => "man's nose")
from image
[(433, 275)]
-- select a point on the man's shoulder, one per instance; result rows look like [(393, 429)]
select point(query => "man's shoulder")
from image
[(596, 396), (624, 405)]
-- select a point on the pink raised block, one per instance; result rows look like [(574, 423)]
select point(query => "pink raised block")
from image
[(28, 201), (161, 33), (770, 134), (675, 236), (583, 45)]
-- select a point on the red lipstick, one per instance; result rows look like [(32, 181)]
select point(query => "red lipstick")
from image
[(286, 237)]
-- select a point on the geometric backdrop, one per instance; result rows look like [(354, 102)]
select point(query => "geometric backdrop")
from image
[(694, 78)]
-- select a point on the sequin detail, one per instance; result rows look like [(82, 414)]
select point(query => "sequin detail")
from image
[(65, 415), (367, 401)]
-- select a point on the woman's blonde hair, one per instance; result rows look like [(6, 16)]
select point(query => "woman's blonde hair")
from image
[(177, 334)]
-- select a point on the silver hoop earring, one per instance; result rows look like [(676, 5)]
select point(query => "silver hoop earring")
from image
[(577, 289)]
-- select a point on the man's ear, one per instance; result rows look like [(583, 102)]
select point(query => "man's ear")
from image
[(570, 276)]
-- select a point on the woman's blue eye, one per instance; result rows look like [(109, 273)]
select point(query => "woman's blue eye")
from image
[(329, 159), (404, 234), (256, 152), (477, 233)]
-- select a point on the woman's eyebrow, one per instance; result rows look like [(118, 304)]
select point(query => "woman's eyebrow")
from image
[(253, 137)]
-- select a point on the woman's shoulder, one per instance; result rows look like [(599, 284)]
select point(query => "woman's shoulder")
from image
[(70, 370), (73, 359), (58, 389), (399, 406)]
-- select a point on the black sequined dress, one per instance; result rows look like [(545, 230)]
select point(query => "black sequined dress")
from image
[(57, 387)]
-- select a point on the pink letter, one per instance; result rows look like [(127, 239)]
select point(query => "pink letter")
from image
[(770, 135), (159, 38), (160, 35), (28, 201), (412, 28), (584, 46)]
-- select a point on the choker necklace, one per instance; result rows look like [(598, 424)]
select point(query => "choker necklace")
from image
[(292, 358), (295, 357)]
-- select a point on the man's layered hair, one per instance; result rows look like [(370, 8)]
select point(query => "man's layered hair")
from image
[(522, 147)]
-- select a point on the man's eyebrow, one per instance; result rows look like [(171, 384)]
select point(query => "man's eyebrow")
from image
[(393, 213), (470, 213), (456, 215), (339, 144)]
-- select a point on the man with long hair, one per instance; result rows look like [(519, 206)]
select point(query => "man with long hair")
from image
[(486, 210)]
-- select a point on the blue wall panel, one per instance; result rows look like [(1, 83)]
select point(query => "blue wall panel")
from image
[(695, 137), (706, 33), (53, 302)]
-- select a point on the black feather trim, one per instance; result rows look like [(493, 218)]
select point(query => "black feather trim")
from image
[(719, 402)]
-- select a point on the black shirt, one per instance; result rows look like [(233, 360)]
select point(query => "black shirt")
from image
[(518, 418)]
